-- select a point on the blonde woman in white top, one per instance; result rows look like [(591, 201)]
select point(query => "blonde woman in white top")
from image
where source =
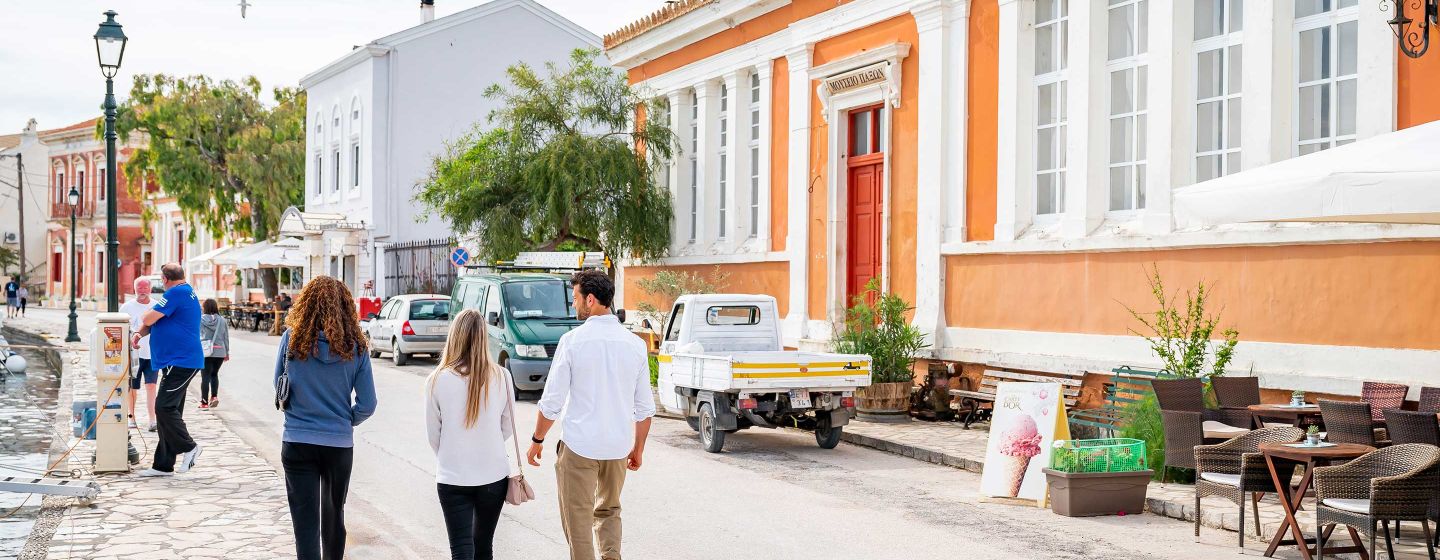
[(468, 422)]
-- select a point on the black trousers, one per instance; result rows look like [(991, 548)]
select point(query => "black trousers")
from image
[(317, 479), (169, 417), (210, 379), (471, 513)]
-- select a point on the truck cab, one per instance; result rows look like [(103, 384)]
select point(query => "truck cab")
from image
[(526, 314)]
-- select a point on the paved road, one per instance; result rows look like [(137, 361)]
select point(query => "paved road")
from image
[(770, 495)]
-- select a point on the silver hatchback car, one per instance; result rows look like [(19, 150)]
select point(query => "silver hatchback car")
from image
[(410, 324)]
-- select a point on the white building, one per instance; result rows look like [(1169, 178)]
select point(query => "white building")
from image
[(16, 150), (379, 115)]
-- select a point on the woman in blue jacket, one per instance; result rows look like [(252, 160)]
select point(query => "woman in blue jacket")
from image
[(331, 391)]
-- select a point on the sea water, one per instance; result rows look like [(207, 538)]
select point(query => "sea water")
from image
[(27, 411)]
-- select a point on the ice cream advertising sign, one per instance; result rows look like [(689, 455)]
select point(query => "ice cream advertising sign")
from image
[(1028, 418)]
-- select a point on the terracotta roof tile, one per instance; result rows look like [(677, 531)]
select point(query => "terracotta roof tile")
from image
[(8, 141), (660, 17), (82, 125)]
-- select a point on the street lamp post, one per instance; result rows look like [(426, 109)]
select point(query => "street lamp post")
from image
[(74, 200), (110, 50)]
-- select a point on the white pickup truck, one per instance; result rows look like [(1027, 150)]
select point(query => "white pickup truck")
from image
[(722, 365)]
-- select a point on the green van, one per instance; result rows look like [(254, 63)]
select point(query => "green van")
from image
[(527, 313)]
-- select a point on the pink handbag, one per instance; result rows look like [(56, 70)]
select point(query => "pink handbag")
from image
[(519, 491)]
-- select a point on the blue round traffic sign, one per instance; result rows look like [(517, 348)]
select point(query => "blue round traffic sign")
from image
[(459, 256)]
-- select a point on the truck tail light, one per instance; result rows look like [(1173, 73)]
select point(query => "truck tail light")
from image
[(407, 329), (847, 402), (747, 404)]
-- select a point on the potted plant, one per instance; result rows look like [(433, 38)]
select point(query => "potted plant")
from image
[(1312, 435), (1297, 398), (876, 325), (1089, 477)]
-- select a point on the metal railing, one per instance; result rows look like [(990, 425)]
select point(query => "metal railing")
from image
[(419, 267)]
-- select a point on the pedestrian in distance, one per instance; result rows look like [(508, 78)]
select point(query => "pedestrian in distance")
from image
[(23, 294), (469, 413), (324, 359), (136, 307), (174, 329), (215, 344), (12, 297), (600, 382)]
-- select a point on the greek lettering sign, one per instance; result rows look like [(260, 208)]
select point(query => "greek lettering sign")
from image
[(857, 78)]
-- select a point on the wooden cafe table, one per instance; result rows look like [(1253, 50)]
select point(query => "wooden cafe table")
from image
[(1309, 457), (1295, 414)]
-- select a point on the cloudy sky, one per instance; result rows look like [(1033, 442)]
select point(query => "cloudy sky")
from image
[(48, 69)]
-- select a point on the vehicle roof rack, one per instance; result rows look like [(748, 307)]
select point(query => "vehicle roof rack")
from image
[(547, 261)]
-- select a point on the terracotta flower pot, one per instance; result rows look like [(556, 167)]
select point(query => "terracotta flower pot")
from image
[(883, 402)]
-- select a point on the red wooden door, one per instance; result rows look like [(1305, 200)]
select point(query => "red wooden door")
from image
[(865, 163)]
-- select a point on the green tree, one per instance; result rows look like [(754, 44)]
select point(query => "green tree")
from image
[(9, 258), (668, 285), (566, 159), (232, 162)]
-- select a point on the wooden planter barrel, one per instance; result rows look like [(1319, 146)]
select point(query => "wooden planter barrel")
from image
[(883, 402)]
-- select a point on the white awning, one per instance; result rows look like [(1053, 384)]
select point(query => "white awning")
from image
[(238, 252), (1390, 178), (295, 222), (281, 254), (210, 256)]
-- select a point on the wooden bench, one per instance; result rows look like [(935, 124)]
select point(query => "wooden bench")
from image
[(977, 404), (1129, 386)]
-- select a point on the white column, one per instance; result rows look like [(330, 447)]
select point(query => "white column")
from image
[(762, 230), (1375, 89), (680, 126), (957, 95), (932, 181), (1015, 159), (1268, 83), (737, 141), (798, 202), (705, 157), (1170, 135), (1087, 193)]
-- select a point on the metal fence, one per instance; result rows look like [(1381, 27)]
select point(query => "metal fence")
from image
[(419, 267)]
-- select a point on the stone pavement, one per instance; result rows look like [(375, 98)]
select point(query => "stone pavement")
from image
[(231, 504), (947, 443)]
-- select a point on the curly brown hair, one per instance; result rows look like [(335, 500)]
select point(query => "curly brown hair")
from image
[(324, 306)]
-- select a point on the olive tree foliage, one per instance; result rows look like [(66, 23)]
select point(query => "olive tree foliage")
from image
[(566, 160)]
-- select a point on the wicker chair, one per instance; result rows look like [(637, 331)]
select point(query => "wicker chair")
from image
[(1236, 467), (1188, 423), (1382, 397), (1348, 422), (1397, 483), (1238, 393), (1409, 426), (1430, 400)]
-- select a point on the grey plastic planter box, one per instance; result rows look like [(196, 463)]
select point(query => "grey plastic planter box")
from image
[(1091, 494)]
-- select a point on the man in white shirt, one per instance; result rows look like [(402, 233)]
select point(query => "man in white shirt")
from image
[(600, 381), (136, 307)]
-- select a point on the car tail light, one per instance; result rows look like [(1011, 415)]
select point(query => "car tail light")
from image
[(847, 402), (406, 328), (747, 404)]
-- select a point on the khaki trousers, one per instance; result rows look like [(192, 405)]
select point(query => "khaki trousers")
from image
[(590, 503)]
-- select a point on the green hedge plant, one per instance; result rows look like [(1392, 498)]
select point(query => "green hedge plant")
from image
[(876, 325)]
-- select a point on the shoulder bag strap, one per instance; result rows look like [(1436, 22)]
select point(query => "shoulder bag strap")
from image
[(510, 407)]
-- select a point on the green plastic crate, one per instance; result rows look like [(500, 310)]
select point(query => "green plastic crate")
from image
[(1098, 455)]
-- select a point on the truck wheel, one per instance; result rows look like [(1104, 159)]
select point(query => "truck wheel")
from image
[(400, 358), (828, 438), (710, 435)]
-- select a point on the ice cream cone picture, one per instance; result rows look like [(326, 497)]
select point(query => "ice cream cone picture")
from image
[(1019, 442)]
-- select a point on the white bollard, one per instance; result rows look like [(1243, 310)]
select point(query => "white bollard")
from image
[(110, 361)]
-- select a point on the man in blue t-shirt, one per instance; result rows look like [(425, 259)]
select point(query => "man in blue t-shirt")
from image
[(174, 329)]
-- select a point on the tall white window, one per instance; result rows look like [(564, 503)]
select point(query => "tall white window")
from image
[(724, 159), (1126, 66), (101, 184), (662, 115), (1218, 25), (1325, 70), (335, 179), (1052, 29), (694, 164), (319, 174), (754, 155), (355, 164), (60, 192)]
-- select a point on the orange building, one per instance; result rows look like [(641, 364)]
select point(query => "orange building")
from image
[(1012, 166), (77, 159)]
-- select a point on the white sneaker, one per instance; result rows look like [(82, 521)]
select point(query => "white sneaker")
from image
[(187, 459), (133, 425), (152, 425), (153, 473)]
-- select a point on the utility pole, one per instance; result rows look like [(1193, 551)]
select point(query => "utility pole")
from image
[(20, 186)]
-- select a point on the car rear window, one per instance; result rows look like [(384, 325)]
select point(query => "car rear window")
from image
[(430, 310), (732, 315)]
